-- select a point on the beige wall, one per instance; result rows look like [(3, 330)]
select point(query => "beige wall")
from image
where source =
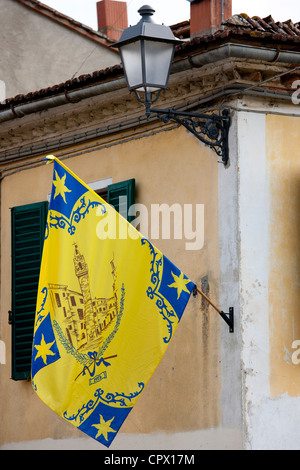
[(183, 395), (284, 284)]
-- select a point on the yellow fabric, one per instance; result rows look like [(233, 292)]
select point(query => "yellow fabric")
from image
[(108, 304)]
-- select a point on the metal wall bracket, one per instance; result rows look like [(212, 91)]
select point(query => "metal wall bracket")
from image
[(229, 319), (211, 129)]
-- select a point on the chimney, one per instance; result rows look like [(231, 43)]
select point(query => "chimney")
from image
[(207, 15), (112, 18)]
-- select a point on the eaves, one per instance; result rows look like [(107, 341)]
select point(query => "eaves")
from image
[(109, 84), (243, 37), (185, 52)]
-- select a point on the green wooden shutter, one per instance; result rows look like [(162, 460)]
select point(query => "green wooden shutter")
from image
[(121, 190), (28, 231)]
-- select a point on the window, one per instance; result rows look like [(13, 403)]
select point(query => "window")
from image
[(80, 313), (58, 300), (122, 196), (28, 230)]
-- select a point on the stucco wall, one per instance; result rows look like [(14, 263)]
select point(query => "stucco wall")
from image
[(37, 52), (184, 393), (284, 294), (269, 277)]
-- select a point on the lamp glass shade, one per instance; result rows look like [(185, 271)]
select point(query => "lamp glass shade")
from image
[(158, 60), (132, 63), (147, 64)]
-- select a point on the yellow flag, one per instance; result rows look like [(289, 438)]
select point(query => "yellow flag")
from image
[(108, 305)]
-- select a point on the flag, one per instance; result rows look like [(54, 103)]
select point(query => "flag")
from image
[(108, 305)]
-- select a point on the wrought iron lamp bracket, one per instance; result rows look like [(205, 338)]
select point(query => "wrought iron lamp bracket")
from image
[(211, 129)]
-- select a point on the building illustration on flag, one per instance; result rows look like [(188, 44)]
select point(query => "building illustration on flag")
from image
[(85, 318), (106, 311)]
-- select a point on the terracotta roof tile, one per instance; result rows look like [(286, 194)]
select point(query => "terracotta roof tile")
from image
[(267, 26), (244, 24), (181, 30)]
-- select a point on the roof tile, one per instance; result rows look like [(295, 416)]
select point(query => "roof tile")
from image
[(265, 25)]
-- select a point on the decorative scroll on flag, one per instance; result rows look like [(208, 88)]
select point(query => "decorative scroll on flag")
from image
[(107, 309)]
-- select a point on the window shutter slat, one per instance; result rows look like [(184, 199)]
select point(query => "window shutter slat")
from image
[(28, 230), (121, 190)]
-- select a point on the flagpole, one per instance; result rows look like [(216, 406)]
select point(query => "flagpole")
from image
[(208, 300)]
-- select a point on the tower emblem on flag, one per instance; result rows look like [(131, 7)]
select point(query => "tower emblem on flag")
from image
[(86, 319)]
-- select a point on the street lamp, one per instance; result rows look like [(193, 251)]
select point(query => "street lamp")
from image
[(147, 51)]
